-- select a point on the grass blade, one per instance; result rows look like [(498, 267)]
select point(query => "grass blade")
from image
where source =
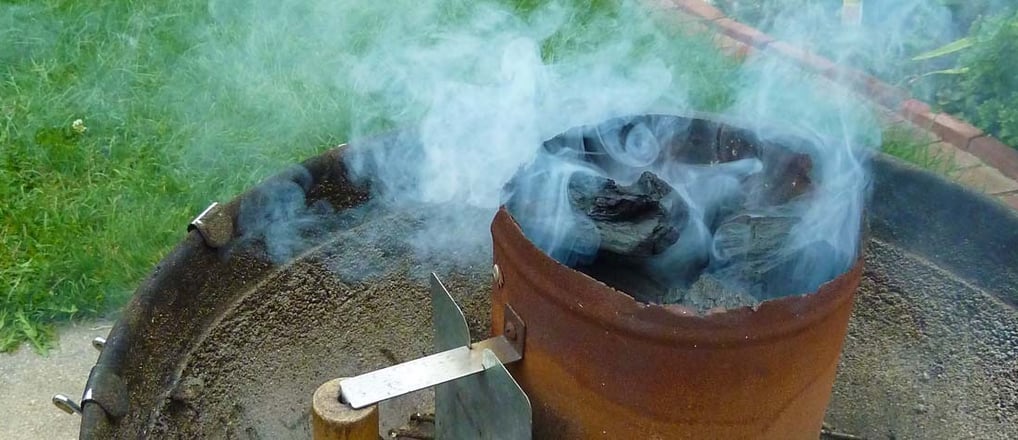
[(947, 49)]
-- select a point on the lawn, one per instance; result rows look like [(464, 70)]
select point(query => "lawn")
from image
[(88, 209), (120, 119)]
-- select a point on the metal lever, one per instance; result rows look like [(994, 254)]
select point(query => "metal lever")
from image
[(475, 396), (459, 359), (426, 372)]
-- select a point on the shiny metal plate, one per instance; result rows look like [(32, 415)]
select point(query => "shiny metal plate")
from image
[(475, 396), (490, 405), (448, 321), (485, 406)]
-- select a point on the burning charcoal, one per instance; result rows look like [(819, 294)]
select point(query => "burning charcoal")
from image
[(709, 293), (748, 247), (683, 140), (638, 220), (733, 145), (785, 177), (789, 175), (696, 144), (786, 173)]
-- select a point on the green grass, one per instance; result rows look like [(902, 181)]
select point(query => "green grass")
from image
[(908, 146), (86, 214), (187, 102)]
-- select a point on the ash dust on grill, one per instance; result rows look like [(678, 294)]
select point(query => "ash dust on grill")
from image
[(672, 210)]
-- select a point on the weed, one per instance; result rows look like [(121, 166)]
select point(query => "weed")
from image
[(904, 143)]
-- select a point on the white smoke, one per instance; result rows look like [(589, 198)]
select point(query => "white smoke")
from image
[(477, 87), (490, 99)]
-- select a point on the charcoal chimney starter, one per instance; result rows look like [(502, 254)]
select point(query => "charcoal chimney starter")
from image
[(599, 363)]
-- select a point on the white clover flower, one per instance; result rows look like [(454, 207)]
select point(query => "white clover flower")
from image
[(79, 126)]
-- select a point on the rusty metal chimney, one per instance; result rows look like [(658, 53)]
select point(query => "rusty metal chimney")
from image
[(599, 364)]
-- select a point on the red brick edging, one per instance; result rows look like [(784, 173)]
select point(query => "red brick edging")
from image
[(952, 130)]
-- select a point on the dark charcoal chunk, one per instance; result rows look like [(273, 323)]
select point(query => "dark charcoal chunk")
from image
[(631, 279), (682, 140), (787, 175), (749, 247), (734, 144), (638, 220), (694, 142)]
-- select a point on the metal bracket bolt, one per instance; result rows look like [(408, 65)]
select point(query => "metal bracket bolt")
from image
[(496, 275), (510, 331)]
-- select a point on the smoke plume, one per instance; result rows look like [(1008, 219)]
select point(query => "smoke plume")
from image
[(477, 133), (477, 88)]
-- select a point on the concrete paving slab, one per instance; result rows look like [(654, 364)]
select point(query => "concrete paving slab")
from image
[(986, 179), (29, 381)]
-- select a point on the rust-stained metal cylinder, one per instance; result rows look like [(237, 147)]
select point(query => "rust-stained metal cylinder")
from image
[(599, 364)]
